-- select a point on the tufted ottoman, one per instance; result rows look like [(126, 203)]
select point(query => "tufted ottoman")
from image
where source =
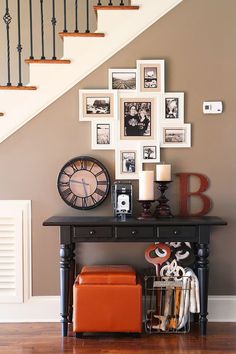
[(107, 299)]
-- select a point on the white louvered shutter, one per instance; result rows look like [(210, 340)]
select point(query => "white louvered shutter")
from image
[(11, 255)]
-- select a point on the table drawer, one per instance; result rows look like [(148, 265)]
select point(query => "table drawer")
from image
[(89, 232), (176, 232), (134, 232)]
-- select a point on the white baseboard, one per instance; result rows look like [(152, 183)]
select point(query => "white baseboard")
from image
[(47, 309)]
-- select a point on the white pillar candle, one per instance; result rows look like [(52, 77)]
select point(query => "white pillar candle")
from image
[(163, 172), (146, 185)]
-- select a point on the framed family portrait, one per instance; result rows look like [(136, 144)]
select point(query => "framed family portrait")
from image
[(151, 75), (122, 79), (97, 104), (149, 152), (138, 116), (127, 162), (173, 108), (176, 136), (103, 134)]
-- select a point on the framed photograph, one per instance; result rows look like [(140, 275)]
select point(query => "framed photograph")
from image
[(96, 104), (122, 79), (151, 75), (179, 136), (149, 152), (127, 162), (103, 134), (173, 108), (138, 116)]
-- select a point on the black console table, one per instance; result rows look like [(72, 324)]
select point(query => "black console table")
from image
[(108, 229)]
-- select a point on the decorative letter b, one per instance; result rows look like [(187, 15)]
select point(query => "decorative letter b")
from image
[(185, 194)]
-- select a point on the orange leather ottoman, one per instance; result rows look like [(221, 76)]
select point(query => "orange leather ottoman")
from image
[(107, 299)]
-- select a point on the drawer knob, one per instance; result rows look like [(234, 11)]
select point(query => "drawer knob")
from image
[(92, 232), (176, 232), (134, 232)]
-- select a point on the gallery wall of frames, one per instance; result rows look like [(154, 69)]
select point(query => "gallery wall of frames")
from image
[(135, 117)]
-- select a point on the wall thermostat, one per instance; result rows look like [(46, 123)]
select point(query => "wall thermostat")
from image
[(212, 107)]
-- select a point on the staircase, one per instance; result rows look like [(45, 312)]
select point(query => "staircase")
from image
[(83, 53)]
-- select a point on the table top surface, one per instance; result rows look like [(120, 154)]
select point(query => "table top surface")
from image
[(117, 221)]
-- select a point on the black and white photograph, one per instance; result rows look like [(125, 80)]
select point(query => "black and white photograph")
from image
[(103, 134), (150, 77), (98, 105), (128, 164), (174, 135), (122, 79), (149, 152), (137, 119), (172, 108)]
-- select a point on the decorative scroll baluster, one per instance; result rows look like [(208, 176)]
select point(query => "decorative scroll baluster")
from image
[(65, 29), (54, 21), (42, 29), (76, 16), (19, 46), (31, 30), (7, 19), (87, 15)]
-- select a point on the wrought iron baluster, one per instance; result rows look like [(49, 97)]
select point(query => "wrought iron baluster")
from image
[(110, 3), (42, 29), (65, 29), (54, 21), (122, 3), (76, 16), (7, 19), (87, 15), (19, 46), (31, 30), (99, 3)]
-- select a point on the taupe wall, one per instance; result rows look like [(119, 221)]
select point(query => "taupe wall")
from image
[(197, 41)]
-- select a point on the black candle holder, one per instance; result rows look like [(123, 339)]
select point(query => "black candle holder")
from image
[(163, 209), (146, 212)]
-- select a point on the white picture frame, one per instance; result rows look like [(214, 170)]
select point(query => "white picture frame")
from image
[(122, 80), (127, 161), (176, 136), (97, 104), (103, 134), (173, 108), (151, 75), (150, 152)]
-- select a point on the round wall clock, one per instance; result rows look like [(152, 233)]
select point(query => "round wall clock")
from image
[(83, 183)]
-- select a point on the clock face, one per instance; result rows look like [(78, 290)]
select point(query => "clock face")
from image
[(83, 183)]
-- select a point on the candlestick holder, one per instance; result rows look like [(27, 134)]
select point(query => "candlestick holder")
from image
[(146, 212), (163, 209)]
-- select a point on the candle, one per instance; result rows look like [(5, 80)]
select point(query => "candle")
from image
[(146, 185), (163, 172)]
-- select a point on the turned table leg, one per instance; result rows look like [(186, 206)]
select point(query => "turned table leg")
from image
[(203, 275)]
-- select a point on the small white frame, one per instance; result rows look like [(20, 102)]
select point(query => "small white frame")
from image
[(89, 111), (173, 108), (176, 136), (122, 72), (155, 154), (96, 145), (125, 148), (151, 75)]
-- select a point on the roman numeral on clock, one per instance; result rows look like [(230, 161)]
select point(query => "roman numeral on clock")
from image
[(99, 192), (99, 173), (66, 193), (102, 183)]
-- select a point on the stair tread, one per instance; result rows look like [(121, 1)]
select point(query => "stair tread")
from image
[(18, 88), (47, 61), (100, 7), (80, 34)]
